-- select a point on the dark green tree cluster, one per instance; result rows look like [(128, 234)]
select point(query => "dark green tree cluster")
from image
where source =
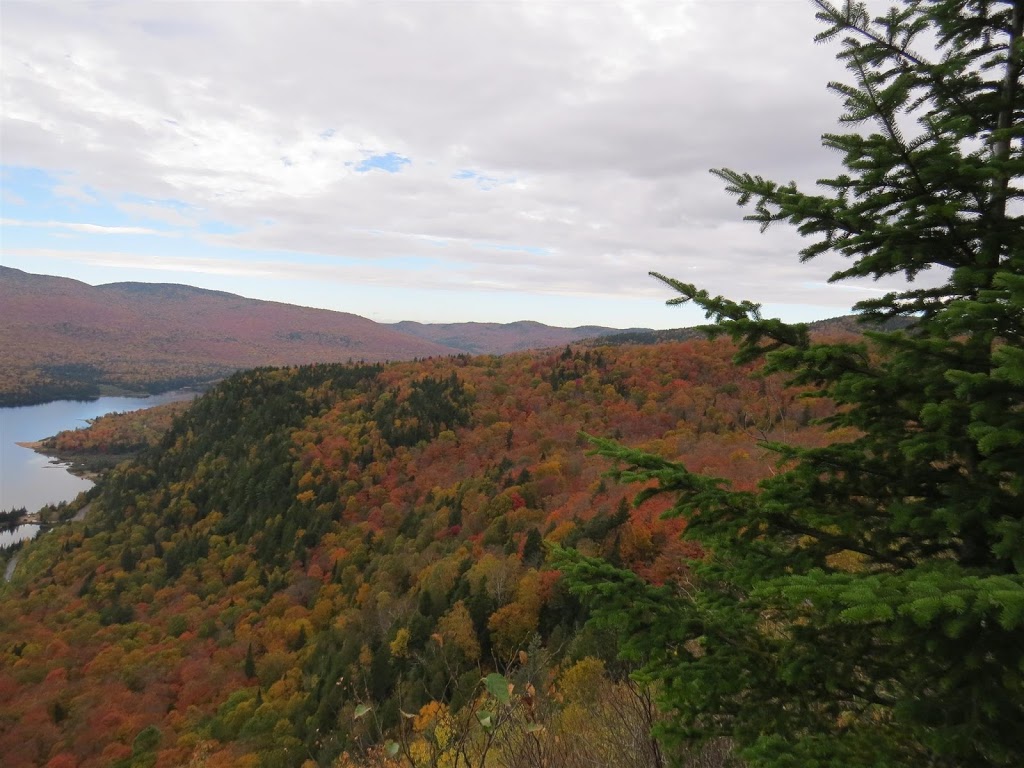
[(81, 381), (865, 607), (231, 454), (431, 406)]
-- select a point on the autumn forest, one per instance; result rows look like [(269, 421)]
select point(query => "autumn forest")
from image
[(328, 560), (758, 544)]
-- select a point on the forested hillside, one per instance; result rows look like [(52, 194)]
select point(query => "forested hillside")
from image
[(501, 338), (61, 338), (112, 438), (333, 560)]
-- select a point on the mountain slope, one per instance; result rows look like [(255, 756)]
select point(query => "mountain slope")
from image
[(501, 338), (62, 338)]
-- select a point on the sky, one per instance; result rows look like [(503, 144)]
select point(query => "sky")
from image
[(438, 161)]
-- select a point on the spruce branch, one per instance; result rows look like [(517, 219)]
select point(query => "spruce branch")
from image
[(742, 321)]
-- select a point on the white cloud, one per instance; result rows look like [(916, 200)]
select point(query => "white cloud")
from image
[(92, 229), (600, 119), (131, 261)]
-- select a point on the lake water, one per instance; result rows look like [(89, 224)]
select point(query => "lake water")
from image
[(15, 535), (30, 480)]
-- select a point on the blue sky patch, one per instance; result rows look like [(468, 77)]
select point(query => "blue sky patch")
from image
[(483, 181), (391, 162), (27, 188), (34, 196)]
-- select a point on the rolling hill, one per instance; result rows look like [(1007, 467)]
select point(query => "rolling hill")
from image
[(62, 338), (501, 338)]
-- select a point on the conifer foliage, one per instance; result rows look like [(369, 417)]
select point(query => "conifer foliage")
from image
[(865, 606)]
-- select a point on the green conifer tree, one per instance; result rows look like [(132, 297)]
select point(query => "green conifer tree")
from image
[(533, 548), (249, 667), (865, 607)]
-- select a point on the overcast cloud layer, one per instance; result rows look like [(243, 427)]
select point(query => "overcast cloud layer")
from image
[(436, 161)]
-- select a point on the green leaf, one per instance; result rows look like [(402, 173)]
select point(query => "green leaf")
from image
[(391, 748), (362, 710), (498, 687)]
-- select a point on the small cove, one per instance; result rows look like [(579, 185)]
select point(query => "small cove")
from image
[(30, 480)]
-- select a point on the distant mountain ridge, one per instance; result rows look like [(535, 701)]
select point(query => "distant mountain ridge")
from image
[(61, 338), (501, 338), (165, 290), (841, 324)]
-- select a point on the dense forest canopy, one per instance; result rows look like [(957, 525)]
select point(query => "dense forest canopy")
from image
[(306, 542)]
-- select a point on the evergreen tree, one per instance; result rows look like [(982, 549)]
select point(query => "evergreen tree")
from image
[(533, 548), (865, 607), (249, 667)]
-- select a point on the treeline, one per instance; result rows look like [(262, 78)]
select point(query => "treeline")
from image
[(113, 437), (44, 390), (9, 518), (23, 386)]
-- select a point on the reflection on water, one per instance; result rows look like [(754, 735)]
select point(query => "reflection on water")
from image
[(18, 534)]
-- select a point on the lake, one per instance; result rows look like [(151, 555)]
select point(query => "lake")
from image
[(18, 534), (30, 480)]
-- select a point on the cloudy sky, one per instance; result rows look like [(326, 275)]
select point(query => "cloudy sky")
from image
[(438, 161)]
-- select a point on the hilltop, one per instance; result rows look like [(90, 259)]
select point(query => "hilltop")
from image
[(64, 338), (499, 338)]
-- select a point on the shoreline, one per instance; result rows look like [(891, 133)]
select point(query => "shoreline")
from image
[(85, 468), (88, 466), (194, 387), (33, 518), (75, 464), (29, 518)]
